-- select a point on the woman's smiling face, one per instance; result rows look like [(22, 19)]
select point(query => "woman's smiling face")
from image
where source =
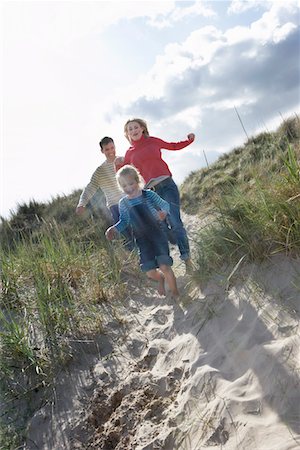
[(135, 131)]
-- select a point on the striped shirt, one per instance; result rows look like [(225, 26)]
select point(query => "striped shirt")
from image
[(153, 201), (104, 178)]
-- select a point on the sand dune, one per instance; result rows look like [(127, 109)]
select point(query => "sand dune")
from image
[(217, 369)]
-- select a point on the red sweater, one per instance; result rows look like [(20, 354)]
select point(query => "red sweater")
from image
[(145, 155)]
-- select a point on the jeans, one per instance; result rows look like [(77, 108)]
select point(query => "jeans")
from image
[(168, 190), (153, 252)]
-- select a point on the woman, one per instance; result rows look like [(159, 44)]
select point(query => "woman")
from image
[(145, 154)]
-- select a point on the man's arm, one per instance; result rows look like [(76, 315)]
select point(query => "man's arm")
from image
[(89, 191)]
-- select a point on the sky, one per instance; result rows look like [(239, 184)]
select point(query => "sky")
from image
[(76, 71)]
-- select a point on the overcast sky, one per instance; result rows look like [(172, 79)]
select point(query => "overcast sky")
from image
[(75, 71)]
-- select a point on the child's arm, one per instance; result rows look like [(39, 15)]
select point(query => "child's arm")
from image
[(163, 207)]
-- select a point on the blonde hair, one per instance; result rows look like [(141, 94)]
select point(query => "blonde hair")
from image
[(130, 171), (141, 122)]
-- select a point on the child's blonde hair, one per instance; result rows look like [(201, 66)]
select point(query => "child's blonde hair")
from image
[(131, 171), (141, 122)]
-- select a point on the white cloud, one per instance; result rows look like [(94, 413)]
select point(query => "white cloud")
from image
[(199, 8), (177, 59), (189, 117), (198, 84), (210, 55), (240, 6), (276, 23)]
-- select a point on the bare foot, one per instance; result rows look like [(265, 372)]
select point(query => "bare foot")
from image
[(161, 286)]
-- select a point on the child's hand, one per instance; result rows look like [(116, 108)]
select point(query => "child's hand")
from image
[(110, 233), (162, 215), (191, 137)]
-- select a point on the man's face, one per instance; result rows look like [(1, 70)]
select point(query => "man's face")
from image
[(109, 150)]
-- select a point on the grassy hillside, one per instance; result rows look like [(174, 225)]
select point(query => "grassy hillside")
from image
[(260, 158), (60, 278), (30, 220), (253, 197)]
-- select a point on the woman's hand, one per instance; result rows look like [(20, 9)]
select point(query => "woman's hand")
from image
[(191, 137), (162, 215), (110, 233)]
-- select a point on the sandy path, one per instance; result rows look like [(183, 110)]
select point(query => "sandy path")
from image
[(219, 369)]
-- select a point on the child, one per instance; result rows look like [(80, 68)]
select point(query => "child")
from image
[(143, 209), (145, 154)]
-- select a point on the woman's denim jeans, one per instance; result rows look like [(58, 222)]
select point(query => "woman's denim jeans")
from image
[(168, 190)]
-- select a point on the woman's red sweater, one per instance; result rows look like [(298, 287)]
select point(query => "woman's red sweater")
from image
[(145, 155)]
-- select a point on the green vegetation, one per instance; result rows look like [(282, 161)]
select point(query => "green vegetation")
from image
[(31, 220), (57, 280), (253, 194)]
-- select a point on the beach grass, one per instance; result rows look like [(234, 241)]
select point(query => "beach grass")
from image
[(258, 217), (55, 285)]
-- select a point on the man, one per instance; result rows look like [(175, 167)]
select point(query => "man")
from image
[(104, 178)]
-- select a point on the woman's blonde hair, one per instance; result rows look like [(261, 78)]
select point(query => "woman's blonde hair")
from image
[(131, 171), (141, 122)]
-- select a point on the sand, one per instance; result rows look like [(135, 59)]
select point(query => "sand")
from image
[(217, 369)]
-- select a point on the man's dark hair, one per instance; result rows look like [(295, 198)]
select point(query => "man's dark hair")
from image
[(106, 140)]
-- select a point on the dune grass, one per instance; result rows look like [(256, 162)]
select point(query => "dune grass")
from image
[(257, 218), (260, 157), (55, 288)]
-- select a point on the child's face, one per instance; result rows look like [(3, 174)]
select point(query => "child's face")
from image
[(134, 131), (109, 150), (130, 186)]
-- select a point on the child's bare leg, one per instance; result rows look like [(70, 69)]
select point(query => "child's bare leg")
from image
[(170, 278), (156, 275)]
